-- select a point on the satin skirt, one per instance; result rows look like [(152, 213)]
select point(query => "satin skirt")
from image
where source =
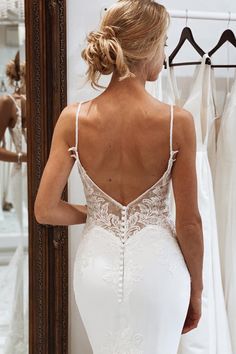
[(156, 291)]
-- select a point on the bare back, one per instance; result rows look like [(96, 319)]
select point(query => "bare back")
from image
[(124, 147)]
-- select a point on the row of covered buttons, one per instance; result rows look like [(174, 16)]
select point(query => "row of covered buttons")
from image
[(122, 251)]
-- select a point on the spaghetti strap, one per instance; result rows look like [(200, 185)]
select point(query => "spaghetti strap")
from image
[(14, 100), (77, 125), (172, 152), (171, 127), (75, 148)]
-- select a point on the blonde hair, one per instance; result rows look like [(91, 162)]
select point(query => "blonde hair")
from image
[(131, 31), (15, 71)]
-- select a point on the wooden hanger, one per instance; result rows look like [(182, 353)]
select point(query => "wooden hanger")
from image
[(186, 35), (227, 36)]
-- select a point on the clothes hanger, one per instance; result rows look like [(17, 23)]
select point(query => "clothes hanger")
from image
[(227, 36), (186, 35)]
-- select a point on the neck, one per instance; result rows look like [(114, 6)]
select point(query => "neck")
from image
[(132, 84), (20, 90)]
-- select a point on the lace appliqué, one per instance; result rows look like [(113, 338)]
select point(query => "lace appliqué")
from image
[(91, 247), (153, 208), (154, 244), (123, 341)]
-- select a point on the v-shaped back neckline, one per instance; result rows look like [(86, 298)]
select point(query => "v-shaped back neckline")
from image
[(153, 186), (168, 169)]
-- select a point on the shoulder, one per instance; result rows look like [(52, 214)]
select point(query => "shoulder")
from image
[(68, 112), (184, 127), (183, 120), (182, 117), (67, 115), (7, 109), (65, 125), (6, 101)]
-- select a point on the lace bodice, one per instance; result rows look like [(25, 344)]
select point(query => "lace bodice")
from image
[(150, 208), (18, 131)]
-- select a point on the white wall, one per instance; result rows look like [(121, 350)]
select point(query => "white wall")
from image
[(6, 53), (83, 16)]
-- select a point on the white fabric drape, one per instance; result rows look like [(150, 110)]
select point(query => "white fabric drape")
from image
[(212, 334)]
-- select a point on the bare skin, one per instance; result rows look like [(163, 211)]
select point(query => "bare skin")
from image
[(8, 119), (124, 147)]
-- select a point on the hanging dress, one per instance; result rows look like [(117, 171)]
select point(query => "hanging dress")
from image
[(225, 197), (127, 268), (215, 127), (212, 334)]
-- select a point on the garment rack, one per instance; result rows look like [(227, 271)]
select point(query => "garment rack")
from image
[(188, 14), (200, 15)]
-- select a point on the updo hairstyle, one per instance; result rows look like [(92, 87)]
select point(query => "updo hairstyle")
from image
[(15, 71), (130, 33)]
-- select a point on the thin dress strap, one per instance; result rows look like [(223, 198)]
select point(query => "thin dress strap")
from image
[(14, 100), (171, 127), (77, 125), (75, 148), (172, 152)]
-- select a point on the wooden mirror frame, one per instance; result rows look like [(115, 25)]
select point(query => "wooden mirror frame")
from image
[(46, 82)]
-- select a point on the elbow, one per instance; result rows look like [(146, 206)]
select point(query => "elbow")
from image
[(40, 213), (193, 222)]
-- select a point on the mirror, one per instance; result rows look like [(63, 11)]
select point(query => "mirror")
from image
[(13, 181)]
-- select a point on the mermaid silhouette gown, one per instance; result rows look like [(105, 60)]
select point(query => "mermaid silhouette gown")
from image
[(130, 280)]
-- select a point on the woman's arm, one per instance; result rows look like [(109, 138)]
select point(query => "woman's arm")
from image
[(184, 181), (6, 105), (10, 156), (49, 208)]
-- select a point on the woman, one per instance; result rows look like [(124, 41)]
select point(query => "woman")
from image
[(13, 118), (13, 292), (137, 276), (12, 111)]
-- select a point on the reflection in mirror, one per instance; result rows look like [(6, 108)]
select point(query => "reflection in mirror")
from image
[(13, 181)]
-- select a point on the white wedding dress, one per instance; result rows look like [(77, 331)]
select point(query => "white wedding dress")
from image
[(131, 282), (212, 334), (18, 177), (225, 196)]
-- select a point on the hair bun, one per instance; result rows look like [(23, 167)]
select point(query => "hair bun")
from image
[(104, 53), (109, 32)]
